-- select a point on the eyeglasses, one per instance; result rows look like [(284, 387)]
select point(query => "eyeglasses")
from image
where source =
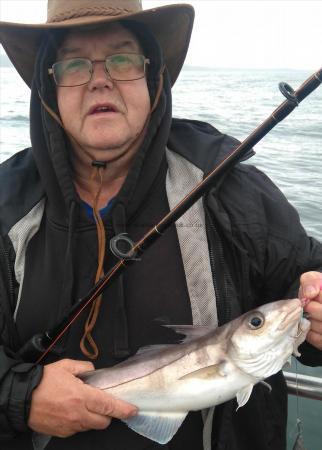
[(78, 71)]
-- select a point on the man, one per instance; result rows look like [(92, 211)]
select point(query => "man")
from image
[(107, 158)]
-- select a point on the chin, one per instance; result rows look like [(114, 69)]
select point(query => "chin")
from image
[(101, 142), (108, 151)]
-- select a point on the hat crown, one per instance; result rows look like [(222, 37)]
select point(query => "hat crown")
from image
[(59, 11), (170, 24)]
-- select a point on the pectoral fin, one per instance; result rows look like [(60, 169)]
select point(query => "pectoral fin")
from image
[(159, 427), (243, 395), (210, 372), (40, 441)]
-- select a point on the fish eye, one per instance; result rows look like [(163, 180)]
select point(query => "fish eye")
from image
[(256, 321)]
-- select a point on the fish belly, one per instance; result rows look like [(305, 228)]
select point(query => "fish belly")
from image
[(183, 395)]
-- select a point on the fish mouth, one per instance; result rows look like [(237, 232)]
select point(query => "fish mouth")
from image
[(303, 329), (290, 318), (295, 325)]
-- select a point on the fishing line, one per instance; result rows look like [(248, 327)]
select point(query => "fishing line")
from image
[(298, 420), (299, 441)]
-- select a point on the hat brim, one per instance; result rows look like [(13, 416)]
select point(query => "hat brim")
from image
[(171, 25)]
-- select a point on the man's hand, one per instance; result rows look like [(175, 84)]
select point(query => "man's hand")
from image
[(63, 405), (311, 289)]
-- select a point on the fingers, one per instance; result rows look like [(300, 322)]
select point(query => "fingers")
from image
[(311, 286), (79, 420), (74, 367), (96, 422), (63, 405), (96, 413), (100, 402), (314, 309), (314, 336), (315, 339), (311, 290), (316, 326)]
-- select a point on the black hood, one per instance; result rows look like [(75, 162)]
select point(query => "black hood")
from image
[(51, 148)]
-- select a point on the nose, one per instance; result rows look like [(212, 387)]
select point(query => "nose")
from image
[(100, 77)]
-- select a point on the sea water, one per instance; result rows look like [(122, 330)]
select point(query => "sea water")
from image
[(235, 102)]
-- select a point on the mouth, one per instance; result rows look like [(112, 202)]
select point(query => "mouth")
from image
[(290, 318), (103, 108)]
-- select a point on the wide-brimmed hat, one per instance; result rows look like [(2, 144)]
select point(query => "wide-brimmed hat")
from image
[(171, 25)]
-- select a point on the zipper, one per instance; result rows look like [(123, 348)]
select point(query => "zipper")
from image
[(9, 283), (11, 288), (212, 264), (218, 269)]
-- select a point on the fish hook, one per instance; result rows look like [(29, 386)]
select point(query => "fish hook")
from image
[(300, 331)]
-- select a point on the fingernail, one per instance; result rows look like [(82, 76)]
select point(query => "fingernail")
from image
[(309, 291)]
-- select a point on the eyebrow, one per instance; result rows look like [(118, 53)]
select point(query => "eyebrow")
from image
[(65, 51), (127, 43)]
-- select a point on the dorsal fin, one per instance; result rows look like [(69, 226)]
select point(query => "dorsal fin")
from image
[(190, 332)]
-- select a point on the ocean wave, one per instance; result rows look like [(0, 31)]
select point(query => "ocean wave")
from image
[(15, 118)]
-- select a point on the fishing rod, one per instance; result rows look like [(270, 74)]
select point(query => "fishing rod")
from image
[(40, 345)]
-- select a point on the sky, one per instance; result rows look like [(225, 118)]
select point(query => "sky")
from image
[(231, 33)]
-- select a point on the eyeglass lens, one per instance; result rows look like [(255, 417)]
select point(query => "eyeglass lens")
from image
[(78, 71)]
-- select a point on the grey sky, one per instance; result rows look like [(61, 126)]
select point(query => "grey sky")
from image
[(232, 33)]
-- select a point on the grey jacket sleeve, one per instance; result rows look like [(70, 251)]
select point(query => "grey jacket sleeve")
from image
[(17, 382), (17, 379)]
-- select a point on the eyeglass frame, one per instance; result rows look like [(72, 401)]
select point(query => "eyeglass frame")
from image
[(145, 62)]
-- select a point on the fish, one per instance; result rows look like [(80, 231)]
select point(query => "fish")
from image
[(209, 367), (299, 443)]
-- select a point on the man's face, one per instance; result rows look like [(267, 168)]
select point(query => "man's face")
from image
[(106, 135)]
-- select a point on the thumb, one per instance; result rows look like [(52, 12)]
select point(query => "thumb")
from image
[(310, 285), (75, 367)]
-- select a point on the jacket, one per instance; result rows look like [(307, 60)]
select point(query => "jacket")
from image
[(247, 219)]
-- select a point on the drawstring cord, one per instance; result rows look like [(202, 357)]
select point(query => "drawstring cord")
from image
[(87, 339)]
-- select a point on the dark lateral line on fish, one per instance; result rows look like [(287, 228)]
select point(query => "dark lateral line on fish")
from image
[(40, 345)]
